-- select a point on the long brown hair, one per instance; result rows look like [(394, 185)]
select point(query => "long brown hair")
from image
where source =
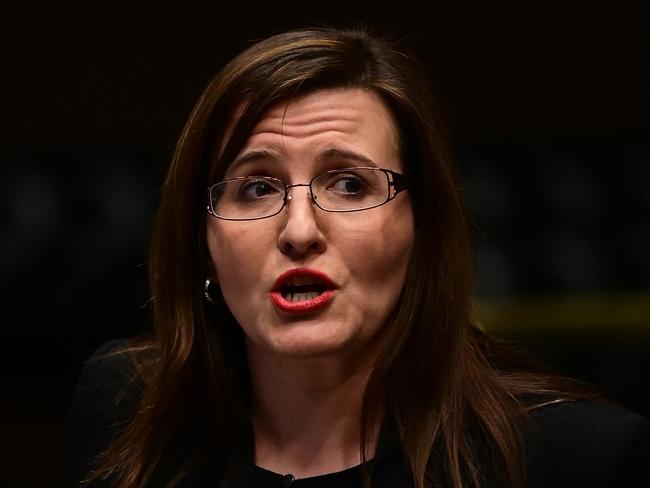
[(469, 402)]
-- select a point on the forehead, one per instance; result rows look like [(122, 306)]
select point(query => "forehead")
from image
[(349, 120), (353, 108)]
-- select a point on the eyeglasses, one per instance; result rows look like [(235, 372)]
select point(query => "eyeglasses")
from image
[(339, 190)]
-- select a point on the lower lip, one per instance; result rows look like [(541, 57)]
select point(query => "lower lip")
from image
[(304, 306)]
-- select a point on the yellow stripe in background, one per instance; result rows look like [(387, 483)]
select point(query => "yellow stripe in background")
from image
[(620, 312)]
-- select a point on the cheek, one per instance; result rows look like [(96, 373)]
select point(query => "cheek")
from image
[(237, 253), (377, 251)]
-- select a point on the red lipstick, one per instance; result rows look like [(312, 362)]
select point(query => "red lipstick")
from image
[(302, 290)]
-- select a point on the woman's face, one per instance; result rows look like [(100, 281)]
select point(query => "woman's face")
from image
[(365, 254)]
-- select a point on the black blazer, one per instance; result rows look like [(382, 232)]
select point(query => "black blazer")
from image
[(573, 444)]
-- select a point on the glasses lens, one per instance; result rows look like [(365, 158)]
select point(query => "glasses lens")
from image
[(351, 189), (247, 198)]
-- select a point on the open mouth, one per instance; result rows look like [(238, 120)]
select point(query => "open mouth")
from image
[(301, 293), (302, 290)]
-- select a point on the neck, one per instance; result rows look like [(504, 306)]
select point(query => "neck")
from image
[(306, 413)]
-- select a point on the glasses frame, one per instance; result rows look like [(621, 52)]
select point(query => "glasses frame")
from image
[(395, 180)]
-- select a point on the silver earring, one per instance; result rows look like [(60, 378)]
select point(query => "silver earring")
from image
[(206, 291)]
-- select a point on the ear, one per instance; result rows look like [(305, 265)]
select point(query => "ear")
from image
[(211, 272), (209, 267), (215, 277)]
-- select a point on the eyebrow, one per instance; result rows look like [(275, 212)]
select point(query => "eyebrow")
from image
[(329, 155), (338, 154), (256, 155)]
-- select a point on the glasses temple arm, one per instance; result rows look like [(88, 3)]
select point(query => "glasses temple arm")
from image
[(398, 182)]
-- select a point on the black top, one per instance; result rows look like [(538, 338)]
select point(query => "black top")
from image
[(576, 444), (349, 478)]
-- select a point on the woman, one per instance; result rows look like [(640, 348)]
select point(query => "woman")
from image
[(311, 277)]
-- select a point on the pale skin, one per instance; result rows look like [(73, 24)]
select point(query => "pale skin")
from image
[(309, 371)]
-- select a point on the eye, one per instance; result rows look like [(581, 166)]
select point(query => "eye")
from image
[(347, 184), (256, 188)]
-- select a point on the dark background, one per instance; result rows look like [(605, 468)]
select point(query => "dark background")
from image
[(547, 106)]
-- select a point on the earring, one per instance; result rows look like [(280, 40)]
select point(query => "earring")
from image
[(206, 291)]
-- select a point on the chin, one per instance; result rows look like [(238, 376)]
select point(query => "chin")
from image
[(307, 344)]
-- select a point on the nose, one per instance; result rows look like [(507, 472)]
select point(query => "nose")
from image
[(300, 234)]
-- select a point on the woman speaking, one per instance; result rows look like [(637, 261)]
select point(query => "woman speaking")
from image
[(311, 284)]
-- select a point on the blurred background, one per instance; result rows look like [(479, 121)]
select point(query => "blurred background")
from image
[(547, 107)]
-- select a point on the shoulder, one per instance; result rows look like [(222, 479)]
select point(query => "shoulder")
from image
[(108, 378), (105, 399), (588, 443)]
